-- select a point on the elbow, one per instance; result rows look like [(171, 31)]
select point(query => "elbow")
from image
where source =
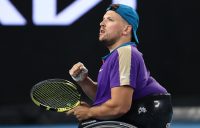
[(121, 110), (124, 110)]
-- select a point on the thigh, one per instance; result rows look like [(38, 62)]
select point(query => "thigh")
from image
[(154, 112), (159, 115)]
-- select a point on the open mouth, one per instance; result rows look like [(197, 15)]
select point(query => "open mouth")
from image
[(101, 31)]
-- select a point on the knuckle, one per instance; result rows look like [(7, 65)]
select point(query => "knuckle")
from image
[(80, 63), (70, 72)]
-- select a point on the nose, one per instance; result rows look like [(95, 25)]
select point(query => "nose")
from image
[(102, 23)]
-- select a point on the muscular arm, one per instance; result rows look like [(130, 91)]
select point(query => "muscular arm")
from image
[(89, 87), (119, 104)]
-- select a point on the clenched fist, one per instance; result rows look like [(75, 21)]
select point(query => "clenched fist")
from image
[(78, 72)]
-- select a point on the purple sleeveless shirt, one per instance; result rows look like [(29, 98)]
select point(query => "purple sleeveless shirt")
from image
[(125, 66)]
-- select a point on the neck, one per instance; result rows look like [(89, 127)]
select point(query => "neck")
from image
[(117, 44)]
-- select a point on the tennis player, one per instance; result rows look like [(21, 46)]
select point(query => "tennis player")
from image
[(124, 91)]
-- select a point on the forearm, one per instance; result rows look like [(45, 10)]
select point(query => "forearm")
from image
[(118, 105), (89, 87)]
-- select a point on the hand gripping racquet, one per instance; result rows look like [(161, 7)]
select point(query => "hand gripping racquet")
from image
[(55, 94)]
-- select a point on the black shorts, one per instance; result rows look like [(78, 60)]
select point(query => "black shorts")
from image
[(153, 111)]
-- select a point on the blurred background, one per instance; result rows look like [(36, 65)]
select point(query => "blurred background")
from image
[(42, 39)]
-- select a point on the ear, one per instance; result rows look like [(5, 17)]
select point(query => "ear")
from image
[(127, 30)]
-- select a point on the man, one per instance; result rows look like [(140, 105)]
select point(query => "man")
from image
[(125, 91)]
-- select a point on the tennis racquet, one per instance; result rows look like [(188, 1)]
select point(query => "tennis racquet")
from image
[(55, 94)]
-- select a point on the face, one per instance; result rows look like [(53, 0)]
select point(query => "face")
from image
[(111, 28)]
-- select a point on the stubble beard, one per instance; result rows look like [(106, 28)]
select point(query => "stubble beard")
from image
[(108, 43)]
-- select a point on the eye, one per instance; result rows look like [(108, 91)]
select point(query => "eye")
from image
[(110, 19)]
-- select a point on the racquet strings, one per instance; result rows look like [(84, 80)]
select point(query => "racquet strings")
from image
[(56, 94)]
